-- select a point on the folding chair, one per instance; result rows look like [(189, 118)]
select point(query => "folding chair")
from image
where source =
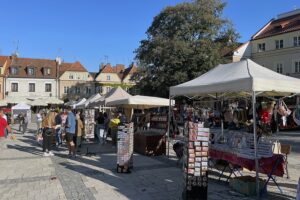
[(285, 150)]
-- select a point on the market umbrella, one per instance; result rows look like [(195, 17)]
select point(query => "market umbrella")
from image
[(53, 101), (38, 102), (3, 103)]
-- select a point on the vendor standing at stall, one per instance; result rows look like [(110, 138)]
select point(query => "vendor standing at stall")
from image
[(78, 131), (113, 126)]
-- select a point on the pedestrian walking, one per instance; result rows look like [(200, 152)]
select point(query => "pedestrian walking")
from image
[(48, 125), (78, 131), (3, 124), (58, 122), (70, 132), (21, 120), (25, 123)]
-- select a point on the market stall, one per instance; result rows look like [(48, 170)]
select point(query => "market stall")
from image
[(150, 141), (90, 100), (21, 108), (244, 78)]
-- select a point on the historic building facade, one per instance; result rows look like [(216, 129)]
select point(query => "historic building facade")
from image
[(276, 45)]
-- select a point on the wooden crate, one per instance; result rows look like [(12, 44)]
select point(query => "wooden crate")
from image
[(245, 185)]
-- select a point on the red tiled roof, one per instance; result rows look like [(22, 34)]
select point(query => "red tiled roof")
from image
[(38, 64), (75, 67), (119, 69), (2, 60), (279, 26)]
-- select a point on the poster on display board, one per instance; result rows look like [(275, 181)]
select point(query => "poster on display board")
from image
[(89, 123)]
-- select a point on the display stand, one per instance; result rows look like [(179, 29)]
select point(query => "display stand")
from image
[(125, 148), (89, 123), (196, 162)]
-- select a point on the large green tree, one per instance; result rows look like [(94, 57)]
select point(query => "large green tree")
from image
[(182, 42)]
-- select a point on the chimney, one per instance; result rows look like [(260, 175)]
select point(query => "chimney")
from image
[(58, 60)]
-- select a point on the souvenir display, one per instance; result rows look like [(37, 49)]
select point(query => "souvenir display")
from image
[(89, 123), (125, 148), (196, 162)]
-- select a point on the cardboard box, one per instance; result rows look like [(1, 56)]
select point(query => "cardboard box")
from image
[(245, 185)]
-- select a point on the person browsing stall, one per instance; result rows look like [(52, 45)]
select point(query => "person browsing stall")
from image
[(3, 124), (70, 127)]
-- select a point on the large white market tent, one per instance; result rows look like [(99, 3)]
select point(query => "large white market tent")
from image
[(140, 102), (245, 76), (88, 101)]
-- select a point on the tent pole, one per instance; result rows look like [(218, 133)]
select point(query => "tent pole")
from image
[(168, 132), (255, 143)]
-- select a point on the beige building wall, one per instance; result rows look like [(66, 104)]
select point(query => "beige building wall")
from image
[(1, 87), (107, 81), (271, 57), (74, 85)]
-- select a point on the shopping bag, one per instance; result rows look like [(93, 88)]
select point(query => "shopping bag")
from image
[(277, 147)]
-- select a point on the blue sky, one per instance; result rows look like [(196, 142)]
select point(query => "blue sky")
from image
[(95, 31)]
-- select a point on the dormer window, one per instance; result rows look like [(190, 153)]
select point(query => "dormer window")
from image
[(296, 41), (14, 70), (47, 71), (71, 76), (30, 71), (108, 77)]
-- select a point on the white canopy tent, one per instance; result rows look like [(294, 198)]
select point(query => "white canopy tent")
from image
[(112, 95), (81, 101), (88, 101), (245, 76), (140, 102), (21, 108), (53, 101)]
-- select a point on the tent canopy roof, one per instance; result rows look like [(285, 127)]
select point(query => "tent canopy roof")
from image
[(114, 94), (88, 101), (140, 102), (21, 106), (243, 76)]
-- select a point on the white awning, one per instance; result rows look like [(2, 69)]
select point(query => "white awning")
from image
[(140, 102)]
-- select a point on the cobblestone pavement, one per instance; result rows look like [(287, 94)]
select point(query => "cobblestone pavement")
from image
[(25, 174)]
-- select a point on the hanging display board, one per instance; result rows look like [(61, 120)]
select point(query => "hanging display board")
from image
[(125, 148), (89, 123), (196, 162)]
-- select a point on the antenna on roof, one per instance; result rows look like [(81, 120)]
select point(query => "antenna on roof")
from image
[(105, 59), (16, 42)]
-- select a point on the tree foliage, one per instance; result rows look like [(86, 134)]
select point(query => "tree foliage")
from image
[(183, 42)]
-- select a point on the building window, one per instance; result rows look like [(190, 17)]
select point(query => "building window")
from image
[(71, 76), (77, 89), (47, 71), (279, 68), (66, 90), (261, 47), (296, 41), (0, 69), (108, 77), (0, 87), (88, 90), (13, 70), (31, 87), (48, 87), (14, 87), (108, 89), (279, 44), (297, 66), (30, 71)]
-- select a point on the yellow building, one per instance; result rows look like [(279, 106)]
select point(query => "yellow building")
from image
[(75, 81), (110, 77)]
